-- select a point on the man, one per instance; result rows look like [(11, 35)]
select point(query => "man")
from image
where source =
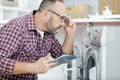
[(26, 43)]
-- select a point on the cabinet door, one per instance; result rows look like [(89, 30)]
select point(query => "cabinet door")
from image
[(1, 14), (9, 14), (113, 6)]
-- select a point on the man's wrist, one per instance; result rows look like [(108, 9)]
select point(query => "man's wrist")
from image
[(32, 68), (70, 35), (69, 38)]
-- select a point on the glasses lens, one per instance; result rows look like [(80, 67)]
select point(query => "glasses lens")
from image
[(66, 20)]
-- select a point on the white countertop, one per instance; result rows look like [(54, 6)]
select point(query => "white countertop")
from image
[(99, 18)]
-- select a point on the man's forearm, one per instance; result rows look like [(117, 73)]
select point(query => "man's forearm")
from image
[(68, 44), (22, 68), (42, 65)]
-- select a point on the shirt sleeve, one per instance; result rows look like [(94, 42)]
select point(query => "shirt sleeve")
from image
[(56, 48), (9, 42)]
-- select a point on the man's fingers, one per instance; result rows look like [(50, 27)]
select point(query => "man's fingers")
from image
[(52, 64), (48, 55)]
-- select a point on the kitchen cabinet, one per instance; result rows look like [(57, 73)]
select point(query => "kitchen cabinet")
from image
[(7, 13), (112, 4)]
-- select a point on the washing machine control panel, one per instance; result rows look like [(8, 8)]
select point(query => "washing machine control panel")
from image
[(94, 35)]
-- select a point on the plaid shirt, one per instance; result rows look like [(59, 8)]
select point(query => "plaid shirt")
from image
[(20, 41)]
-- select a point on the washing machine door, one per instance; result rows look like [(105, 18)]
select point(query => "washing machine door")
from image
[(91, 64)]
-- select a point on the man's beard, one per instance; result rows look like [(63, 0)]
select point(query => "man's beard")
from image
[(49, 26)]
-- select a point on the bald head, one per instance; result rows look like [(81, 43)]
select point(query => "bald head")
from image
[(47, 4)]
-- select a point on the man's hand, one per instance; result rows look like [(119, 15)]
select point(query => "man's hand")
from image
[(70, 28), (42, 65)]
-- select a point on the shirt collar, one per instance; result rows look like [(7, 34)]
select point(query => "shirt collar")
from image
[(30, 21)]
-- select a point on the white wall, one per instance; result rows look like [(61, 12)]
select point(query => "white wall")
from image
[(29, 4)]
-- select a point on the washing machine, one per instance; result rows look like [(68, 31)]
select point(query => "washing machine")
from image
[(100, 54)]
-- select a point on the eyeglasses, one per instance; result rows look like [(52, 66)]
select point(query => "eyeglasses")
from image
[(64, 18)]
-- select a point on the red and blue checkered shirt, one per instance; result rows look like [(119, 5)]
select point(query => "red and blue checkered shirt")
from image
[(20, 41)]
